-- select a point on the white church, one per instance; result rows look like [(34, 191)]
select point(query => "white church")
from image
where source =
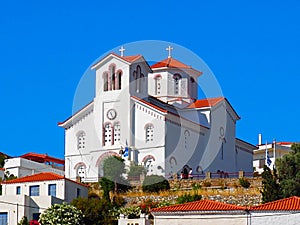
[(151, 115)]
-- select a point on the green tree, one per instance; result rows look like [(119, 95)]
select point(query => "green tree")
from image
[(96, 211), (114, 170), (155, 183), (271, 190), (289, 172), (61, 214), (135, 171)]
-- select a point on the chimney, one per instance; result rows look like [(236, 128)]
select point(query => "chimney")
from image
[(259, 139)]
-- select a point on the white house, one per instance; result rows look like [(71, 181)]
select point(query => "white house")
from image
[(29, 196), (152, 115), (285, 211), (201, 212), (32, 163), (274, 150)]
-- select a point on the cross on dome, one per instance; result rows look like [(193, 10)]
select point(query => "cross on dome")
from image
[(122, 49), (169, 49)]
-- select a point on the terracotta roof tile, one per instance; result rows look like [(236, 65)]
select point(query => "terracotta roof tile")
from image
[(202, 205), (36, 177), (290, 204), (208, 102), (131, 58), (2, 169), (42, 158), (171, 63)]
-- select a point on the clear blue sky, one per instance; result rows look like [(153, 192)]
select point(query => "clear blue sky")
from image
[(253, 48)]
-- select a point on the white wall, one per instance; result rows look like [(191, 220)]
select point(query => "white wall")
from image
[(228, 219), (272, 218)]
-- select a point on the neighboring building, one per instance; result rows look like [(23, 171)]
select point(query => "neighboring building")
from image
[(285, 211), (201, 212), (151, 115), (32, 163), (275, 150), (29, 196), (143, 220)]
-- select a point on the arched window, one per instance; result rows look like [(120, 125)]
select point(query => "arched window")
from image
[(105, 81), (107, 134), (118, 80), (117, 133), (149, 129), (177, 79), (81, 140), (112, 76), (157, 84), (138, 78)]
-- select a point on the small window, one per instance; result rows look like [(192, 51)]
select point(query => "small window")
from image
[(18, 190), (177, 84), (78, 192), (52, 190), (149, 133), (117, 133), (108, 134), (157, 85), (34, 190), (81, 140)]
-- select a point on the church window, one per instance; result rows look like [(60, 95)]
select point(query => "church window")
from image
[(80, 140), (157, 85), (138, 78), (118, 80), (149, 132), (177, 79), (117, 132), (186, 138), (105, 81), (112, 77), (108, 134), (81, 171)]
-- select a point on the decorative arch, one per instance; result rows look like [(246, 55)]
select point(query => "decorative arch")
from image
[(80, 164), (148, 157), (105, 155)]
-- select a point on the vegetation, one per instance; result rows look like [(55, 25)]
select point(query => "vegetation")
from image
[(271, 190), (24, 221), (289, 172), (135, 171), (244, 182), (188, 198), (131, 212), (96, 211), (61, 214), (155, 183)]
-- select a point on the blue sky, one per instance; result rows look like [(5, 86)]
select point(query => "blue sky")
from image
[(252, 47)]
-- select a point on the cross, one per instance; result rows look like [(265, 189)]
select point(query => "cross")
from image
[(169, 49), (122, 49)]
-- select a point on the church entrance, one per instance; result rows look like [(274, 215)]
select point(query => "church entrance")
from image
[(185, 172)]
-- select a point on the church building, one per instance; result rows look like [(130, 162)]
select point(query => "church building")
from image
[(151, 115)]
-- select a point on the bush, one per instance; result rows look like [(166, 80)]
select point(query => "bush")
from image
[(155, 183), (188, 198), (206, 183), (24, 221), (244, 182)]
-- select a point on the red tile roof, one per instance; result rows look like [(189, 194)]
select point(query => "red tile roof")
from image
[(2, 169), (131, 58), (42, 158), (286, 204), (208, 102), (45, 176), (202, 205), (173, 63), (36, 177)]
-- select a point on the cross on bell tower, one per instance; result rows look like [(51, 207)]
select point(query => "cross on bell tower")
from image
[(169, 49), (122, 49)]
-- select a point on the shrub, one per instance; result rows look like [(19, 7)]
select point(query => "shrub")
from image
[(188, 198), (24, 221), (244, 182), (155, 183), (196, 186), (206, 183)]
